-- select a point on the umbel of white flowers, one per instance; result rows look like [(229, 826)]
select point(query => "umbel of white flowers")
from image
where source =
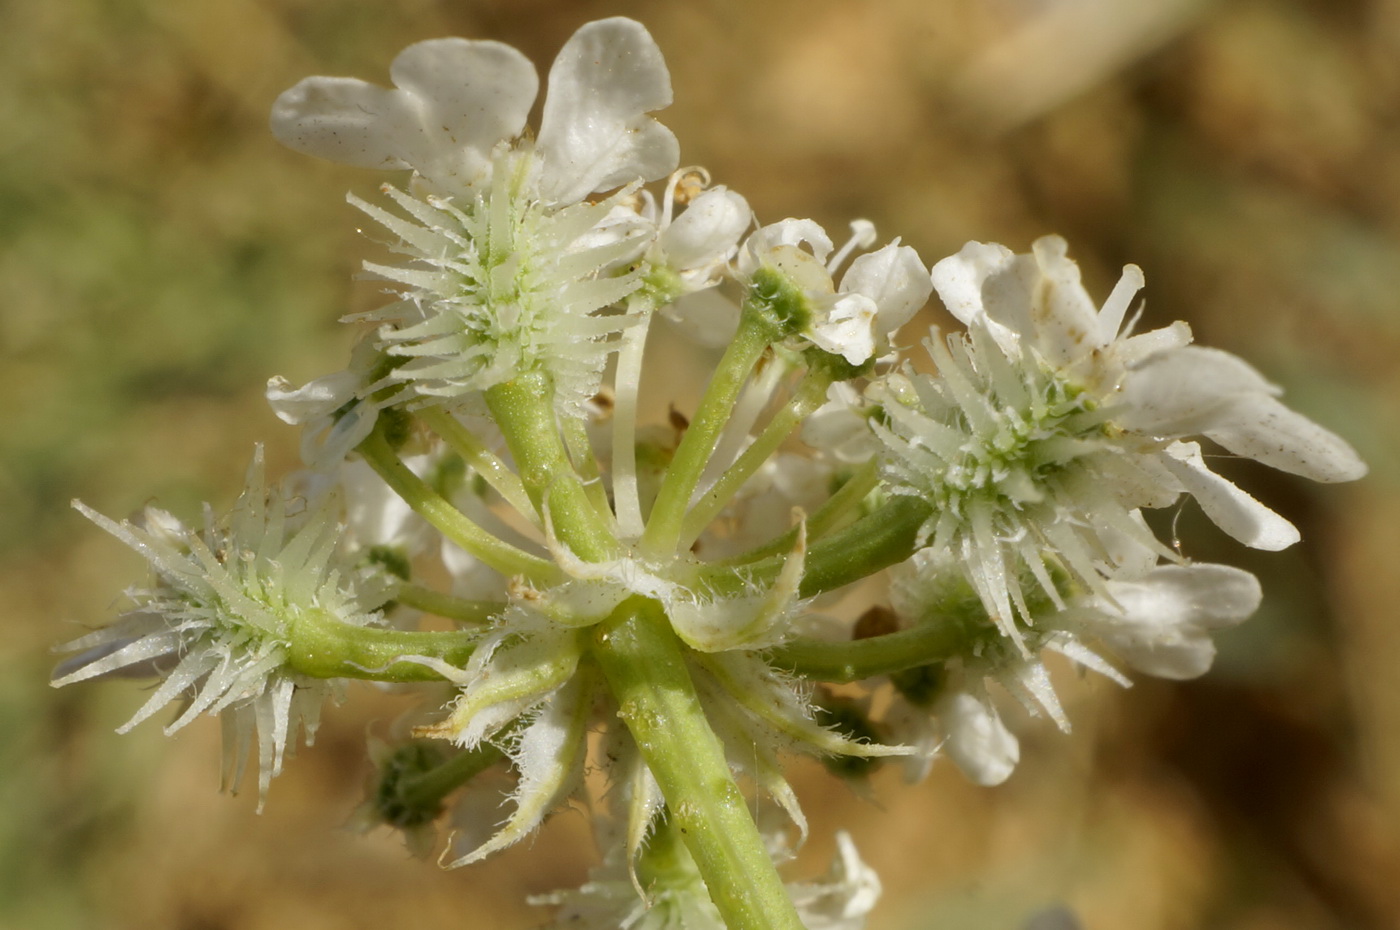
[(640, 599)]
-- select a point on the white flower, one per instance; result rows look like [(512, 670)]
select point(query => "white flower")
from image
[(503, 286), (223, 609), (879, 292), (1160, 623), (454, 100), (507, 270), (696, 246), (1046, 428), (1158, 619), (691, 255), (844, 898)]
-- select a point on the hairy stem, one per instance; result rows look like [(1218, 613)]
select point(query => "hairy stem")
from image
[(645, 666), (323, 647)]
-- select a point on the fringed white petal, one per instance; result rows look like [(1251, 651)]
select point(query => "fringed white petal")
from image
[(549, 754)]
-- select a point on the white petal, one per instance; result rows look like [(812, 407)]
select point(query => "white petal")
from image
[(346, 120), (1228, 507), (959, 278), (454, 100), (471, 94), (1134, 350), (313, 399), (843, 899), (977, 741), (1186, 391), (353, 428), (1261, 428), (374, 514), (848, 329), (1161, 624), (784, 235), (838, 428), (1178, 654), (894, 277), (1205, 594), (1064, 316), (594, 134), (708, 231)]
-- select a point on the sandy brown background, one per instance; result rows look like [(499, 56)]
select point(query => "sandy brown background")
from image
[(161, 256)]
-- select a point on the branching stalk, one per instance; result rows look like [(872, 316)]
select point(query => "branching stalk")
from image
[(644, 664)]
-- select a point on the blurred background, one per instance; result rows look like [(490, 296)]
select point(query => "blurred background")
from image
[(161, 257)]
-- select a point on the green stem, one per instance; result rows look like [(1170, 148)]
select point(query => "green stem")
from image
[(447, 606), (809, 396), (580, 450), (886, 536), (433, 507), (817, 660), (646, 668), (425, 790), (481, 460), (825, 518), (688, 464), (323, 647), (524, 410)]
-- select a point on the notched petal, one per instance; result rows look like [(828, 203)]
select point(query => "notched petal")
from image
[(594, 134)]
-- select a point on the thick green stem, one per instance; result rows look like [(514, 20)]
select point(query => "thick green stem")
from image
[(437, 510), (693, 454), (524, 410), (818, 660), (884, 537), (323, 647), (645, 667)]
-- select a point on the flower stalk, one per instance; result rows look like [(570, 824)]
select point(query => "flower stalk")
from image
[(664, 527), (646, 670)]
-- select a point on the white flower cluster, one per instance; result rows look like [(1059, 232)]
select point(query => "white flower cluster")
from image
[(1047, 428), (508, 270), (218, 623), (485, 436)]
